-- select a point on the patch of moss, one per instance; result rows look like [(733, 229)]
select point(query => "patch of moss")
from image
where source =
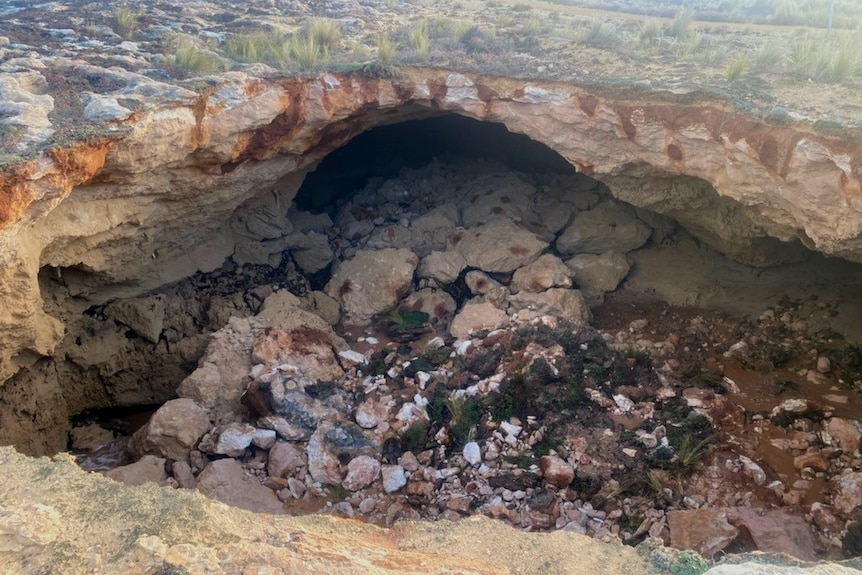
[(403, 324), (522, 460), (484, 364), (688, 562), (338, 493), (782, 384), (415, 437), (545, 445), (171, 569), (700, 376)]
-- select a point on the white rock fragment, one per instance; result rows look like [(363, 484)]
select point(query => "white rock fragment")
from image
[(624, 403), (361, 472), (753, 470), (352, 357), (472, 453), (394, 478)]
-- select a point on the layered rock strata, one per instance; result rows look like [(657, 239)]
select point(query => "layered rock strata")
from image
[(195, 176)]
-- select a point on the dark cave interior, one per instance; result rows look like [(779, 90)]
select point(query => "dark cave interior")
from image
[(383, 151)]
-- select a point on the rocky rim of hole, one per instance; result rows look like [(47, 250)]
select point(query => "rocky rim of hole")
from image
[(503, 400)]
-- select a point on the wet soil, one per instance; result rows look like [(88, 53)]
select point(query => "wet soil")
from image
[(756, 364)]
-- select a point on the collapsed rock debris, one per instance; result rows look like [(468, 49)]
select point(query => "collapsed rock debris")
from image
[(447, 366)]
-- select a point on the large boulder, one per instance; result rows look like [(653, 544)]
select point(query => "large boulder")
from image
[(284, 460), (373, 282), (333, 443), (597, 274), (548, 271), (438, 304), (847, 433), (222, 374), (707, 531), (227, 481), (567, 304), (172, 431), (361, 472), (311, 251), (425, 233), (294, 407), (148, 469), (776, 531), (302, 352), (444, 267), (609, 227), (495, 195), (475, 317), (145, 316), (847, 489), (285, 311), (498, 246)]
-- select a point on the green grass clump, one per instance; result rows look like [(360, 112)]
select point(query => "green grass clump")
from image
[(125, 22), (681, 26), (688, 562), (305, 51), (249, 47), (649, 33), (186, 57), (736, 68), (415, 437), (831, 58), (385, 50), (420, 39), (534, 26), (769, 56), (326, 34), (464, 414), (600, 35), (689, 453)]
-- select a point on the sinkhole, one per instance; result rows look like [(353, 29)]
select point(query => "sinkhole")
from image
[(449, 298)]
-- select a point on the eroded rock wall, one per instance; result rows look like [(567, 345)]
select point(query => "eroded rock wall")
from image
[(193, 177)]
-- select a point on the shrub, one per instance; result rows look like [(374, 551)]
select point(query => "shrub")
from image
[(686, 48), (534, 26), (471, 37), (714, 56)]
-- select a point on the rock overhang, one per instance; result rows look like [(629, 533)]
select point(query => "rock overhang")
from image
[(174, 187)]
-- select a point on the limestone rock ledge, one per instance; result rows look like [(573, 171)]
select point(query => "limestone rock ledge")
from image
[(194, 175), (54, 518)]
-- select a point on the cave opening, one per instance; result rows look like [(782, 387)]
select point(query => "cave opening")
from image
[(400, 317), (382, 152)]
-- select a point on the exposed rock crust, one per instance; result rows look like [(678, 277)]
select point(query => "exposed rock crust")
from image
[(186, 162)]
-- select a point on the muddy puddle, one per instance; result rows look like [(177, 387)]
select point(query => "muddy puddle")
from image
[(767, 385), (101, 442)]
